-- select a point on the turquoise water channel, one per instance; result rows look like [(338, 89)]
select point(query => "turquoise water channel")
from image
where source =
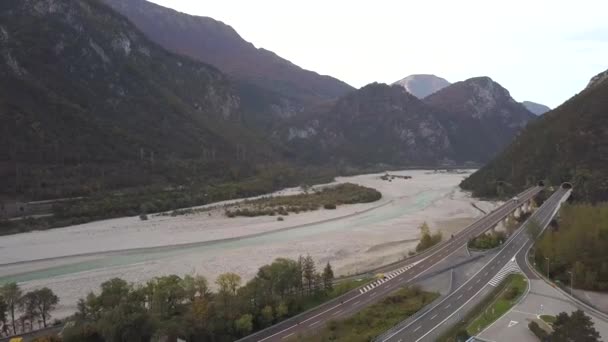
[(359, 222)]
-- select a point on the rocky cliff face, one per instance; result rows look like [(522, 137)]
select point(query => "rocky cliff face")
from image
[(373, 125), (481, 116), (422, 86), (218, 44)]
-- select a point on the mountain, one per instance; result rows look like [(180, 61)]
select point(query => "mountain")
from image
[(422, 85), (536, 108), (86, 100), (480, 116), (218, 44), (377, 124), (569, 143)]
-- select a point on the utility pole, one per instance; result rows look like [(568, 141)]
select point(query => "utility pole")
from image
[(548, 263)]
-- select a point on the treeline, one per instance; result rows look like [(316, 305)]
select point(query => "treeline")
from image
[(328, 198), (577, 245), (165, 196), (174, 307), (22, 312)]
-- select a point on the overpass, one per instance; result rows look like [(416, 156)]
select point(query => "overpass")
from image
[(396, 275)]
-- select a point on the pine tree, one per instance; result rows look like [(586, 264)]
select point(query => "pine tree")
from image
[(328, 277)]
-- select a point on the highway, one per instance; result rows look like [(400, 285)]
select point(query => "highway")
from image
[(515, 247), (400, 274)]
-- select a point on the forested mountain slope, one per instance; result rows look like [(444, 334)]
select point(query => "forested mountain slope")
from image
[(86, 101), (569, 143)]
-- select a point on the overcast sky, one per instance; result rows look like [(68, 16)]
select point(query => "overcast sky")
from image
[(543, 51)]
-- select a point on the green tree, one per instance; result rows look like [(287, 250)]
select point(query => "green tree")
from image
[(46, 302), (328, 277), (244, 325), (28, 305), (167, 293), (267, 315), (195, 287), (575, 327), (113, 292), (12, 295), (308, 272), (228, 283), (3, 317), (282, 310), (128, 321)]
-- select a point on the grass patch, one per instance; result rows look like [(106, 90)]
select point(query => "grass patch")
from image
[(328, 198), (488, 310), (548, 319), (515, 287), (375, 319)]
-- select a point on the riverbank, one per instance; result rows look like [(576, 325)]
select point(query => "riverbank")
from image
[(74, 260)]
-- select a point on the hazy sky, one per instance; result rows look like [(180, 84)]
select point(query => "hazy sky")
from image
[(543, 51)]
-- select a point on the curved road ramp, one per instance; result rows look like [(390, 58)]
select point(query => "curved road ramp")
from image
[(402, 274), (432, 323)]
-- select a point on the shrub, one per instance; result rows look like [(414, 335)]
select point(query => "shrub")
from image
[(143, 217), (538, 331), (329, 206), (280, 218)]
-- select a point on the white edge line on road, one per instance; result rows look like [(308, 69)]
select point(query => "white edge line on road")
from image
[(475, 295), (510, 241), (317, 322), (284, 337)]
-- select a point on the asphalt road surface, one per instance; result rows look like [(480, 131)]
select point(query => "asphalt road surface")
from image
[(518, 244), (411, 269)]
